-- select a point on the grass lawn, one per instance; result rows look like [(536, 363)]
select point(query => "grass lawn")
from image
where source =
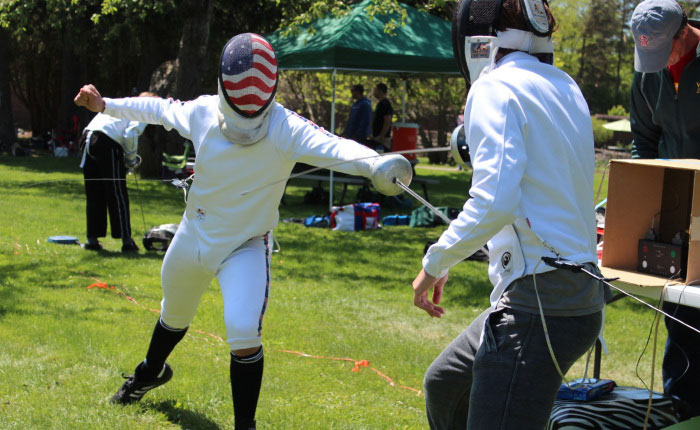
[(334, 294)]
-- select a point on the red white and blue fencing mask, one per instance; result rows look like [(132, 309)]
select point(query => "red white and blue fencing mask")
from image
[(247, 85)]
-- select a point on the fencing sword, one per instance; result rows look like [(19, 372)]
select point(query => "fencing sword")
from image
[(432, 208), (424, 202), (560, 263)]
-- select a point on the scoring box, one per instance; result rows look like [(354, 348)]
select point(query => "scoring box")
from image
[(642, 193)]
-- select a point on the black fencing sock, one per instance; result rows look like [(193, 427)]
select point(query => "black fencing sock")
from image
[(162, 344), (246, 377)]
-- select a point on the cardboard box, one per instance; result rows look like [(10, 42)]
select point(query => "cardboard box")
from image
[(639, 191)]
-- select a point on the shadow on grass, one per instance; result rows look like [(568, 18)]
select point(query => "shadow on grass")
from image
[(20, 282), (149, 255), (152, 196), (9, 291), (185, 418), (42, 164)]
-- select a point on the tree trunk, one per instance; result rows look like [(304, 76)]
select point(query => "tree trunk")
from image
[(188, 69), (39, 91), (71, 81), (7, 128), (155, 53), (150, 151), (582, 60), (191, 58)]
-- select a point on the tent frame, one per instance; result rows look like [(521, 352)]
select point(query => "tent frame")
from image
[(440, 31), (334, 72)]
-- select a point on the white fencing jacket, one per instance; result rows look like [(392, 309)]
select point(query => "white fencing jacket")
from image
[(126, 133), (222, 216), (530, 140)]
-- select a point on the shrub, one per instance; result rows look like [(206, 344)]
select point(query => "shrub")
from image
[(601, 136), (618, 110)]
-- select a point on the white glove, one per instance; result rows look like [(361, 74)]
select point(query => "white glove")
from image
[(388, 168), (133, 162)]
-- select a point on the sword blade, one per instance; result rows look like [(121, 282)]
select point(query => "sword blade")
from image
[(609, 284), (423, 201)]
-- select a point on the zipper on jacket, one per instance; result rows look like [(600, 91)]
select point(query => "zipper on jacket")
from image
[(668, 76)]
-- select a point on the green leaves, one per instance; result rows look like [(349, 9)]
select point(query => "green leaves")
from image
[(395, 13), (594, 46)]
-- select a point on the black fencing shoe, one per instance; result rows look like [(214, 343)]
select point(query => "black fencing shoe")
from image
[(130, 246), (92, 246), (133, 389)]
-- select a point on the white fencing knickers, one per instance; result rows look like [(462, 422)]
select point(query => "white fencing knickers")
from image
[(244, 278)]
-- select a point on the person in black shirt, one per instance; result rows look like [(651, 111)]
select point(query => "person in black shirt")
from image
[(381, 123)]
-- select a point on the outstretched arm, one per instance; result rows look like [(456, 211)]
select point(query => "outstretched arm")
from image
[(169, 113), (308, 143)]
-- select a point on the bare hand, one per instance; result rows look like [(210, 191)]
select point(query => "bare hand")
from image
[(421, 285), (90, 98)]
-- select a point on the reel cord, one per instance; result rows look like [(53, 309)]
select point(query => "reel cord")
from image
[(575, 267), (138, 191)]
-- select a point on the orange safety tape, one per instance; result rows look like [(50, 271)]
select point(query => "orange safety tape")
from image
[(104, 286), (358, 363)]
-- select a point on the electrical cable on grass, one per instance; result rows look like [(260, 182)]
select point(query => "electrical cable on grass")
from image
[(653, 355), (641, 355), (651, 328), (358, 363), (657, 319)]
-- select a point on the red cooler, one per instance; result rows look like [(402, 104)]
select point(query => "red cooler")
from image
[(404, 136)]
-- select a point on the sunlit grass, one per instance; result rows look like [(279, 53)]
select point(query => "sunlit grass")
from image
[(346, 295)]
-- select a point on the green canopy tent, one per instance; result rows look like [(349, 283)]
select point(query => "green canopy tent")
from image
[(356, 43)]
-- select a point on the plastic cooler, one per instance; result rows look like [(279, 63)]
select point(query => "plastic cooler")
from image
[(405, 136)]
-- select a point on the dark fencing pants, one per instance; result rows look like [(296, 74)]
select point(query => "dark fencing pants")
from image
[(105, 187), (681, 366), (508, 381)]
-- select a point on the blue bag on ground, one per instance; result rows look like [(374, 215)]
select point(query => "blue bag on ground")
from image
[(396, 220), (318, 221)]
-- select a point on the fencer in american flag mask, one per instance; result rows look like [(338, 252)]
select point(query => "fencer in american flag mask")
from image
[(247, 87)]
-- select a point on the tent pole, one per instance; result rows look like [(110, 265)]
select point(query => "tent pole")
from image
[(330, 195), (403, 102)]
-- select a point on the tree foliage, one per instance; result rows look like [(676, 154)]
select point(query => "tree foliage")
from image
[(172, 46), (7, 132)]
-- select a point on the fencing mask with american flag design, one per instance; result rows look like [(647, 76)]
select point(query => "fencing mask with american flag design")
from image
[(247, 86), (248, 74)]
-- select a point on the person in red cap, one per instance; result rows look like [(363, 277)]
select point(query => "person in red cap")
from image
[(665, 124)]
